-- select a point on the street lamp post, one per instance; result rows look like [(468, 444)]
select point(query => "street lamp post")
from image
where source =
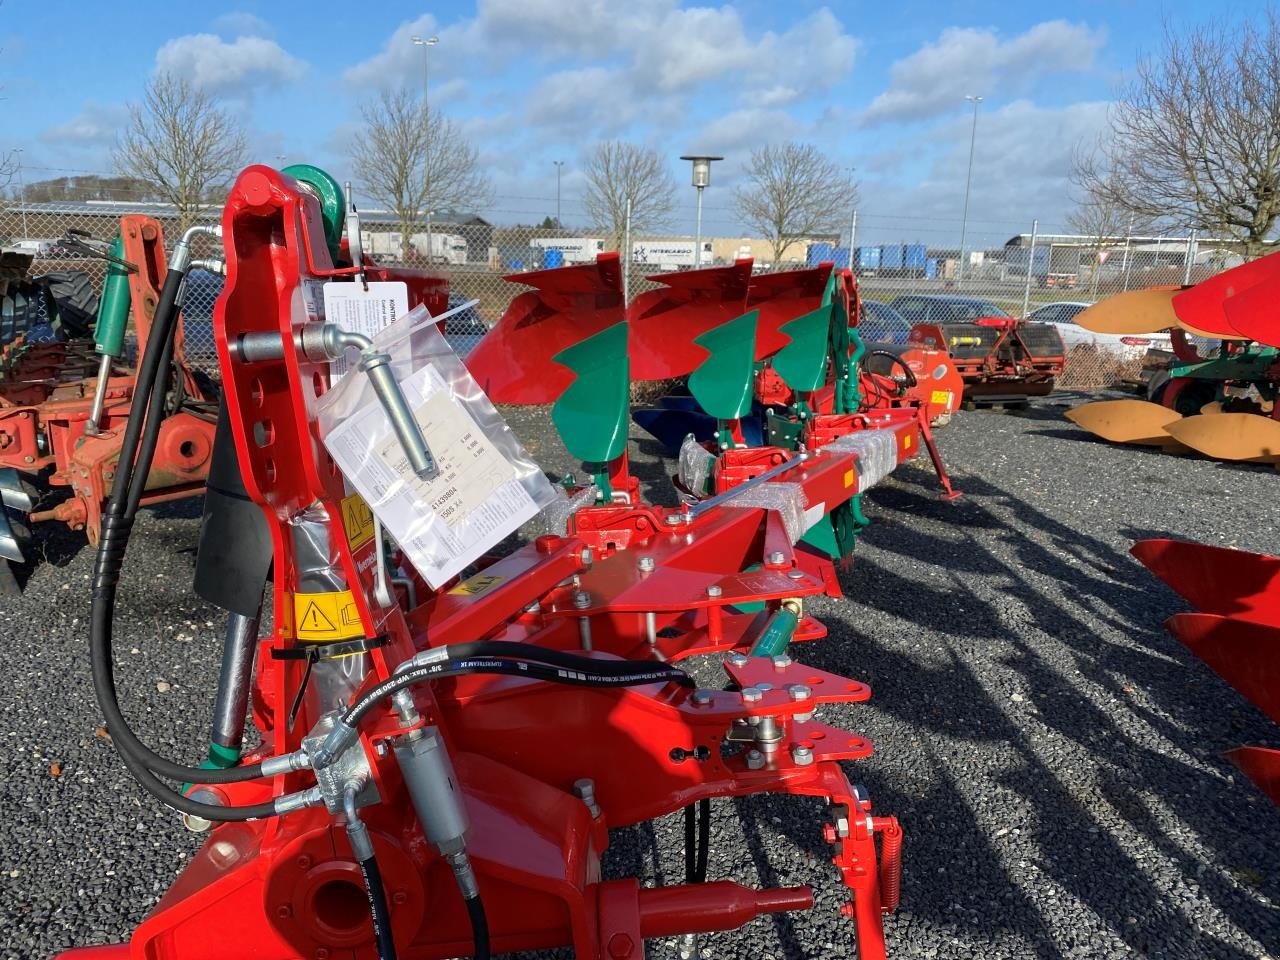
[(701, 179), (425, 42), (968, 180), (559, 165), (22, 195)]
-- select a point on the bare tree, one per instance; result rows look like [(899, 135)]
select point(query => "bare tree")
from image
[(1106, 222), (794, 192), (416, 161), (181, 141), (1195, 137), (618, 171)]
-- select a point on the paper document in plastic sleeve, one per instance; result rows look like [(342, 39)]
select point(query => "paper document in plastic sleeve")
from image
[(359, 310), (447, 522)]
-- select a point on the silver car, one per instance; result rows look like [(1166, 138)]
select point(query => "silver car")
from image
[(1127, 346)]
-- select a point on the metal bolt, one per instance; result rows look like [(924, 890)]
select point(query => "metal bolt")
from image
[(646, 564), (581, 600), (795, 574), (702, 698), (803, 756), (673, 519), (284, 911), (587, 556), (714, 590), (755, 760), (799, 692), (781, 661), (585, 788), (688, 948), (737, 659), (764, 687), (777, 558), (752, 695)]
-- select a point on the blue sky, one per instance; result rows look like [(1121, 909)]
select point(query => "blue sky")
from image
[(878, 86)]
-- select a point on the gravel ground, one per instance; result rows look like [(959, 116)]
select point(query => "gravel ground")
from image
[(1054, 757)]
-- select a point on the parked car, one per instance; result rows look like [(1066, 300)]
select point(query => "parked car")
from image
[(1129, 346), (463, 330), (944, 308), (882, 324)]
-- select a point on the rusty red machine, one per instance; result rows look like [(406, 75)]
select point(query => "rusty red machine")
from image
[(440, 767), (64, 405), (1002, 360)]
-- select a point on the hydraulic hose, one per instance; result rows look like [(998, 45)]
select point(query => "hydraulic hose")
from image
[(479, 926), (137, 449), (573, 671), (375, 890)]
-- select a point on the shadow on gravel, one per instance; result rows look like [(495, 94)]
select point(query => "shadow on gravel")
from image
[(1080, 852)]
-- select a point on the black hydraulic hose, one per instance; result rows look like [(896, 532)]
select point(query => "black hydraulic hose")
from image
[(479, 926), (184, 804), (510, 649), (117, 524), (381, 913), (582, 674), (704, 839), (697, 840)]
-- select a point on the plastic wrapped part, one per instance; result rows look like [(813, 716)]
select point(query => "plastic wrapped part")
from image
[(334, 681), (877, 452), (555, 516), (787, 499), (487, 485), (696, 467)]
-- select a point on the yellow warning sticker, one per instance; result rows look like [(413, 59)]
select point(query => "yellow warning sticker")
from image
[(940, 396), (906, 442), (357, 519), (326, 617), (849, 478), (481, 583)]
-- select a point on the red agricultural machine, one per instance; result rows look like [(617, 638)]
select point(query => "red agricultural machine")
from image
[(449, 734), (60, 421), (1002, 360), (1219, 401)]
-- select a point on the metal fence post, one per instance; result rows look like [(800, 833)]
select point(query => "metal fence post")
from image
[(1128, 263), (1031, 261), (1186, 271), (853, 233), (626, 255)]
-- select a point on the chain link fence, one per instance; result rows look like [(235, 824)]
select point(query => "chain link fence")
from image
[(1005, 269)]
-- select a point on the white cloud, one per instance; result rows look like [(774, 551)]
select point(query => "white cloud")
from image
[(213, 64), (241, 23), (742, 130), (94, 126), (963, 60)]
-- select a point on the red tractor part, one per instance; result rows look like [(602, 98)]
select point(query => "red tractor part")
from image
[(525, 776), (1239, 302), (1237, 632), (512, 363), (44, 418), (999, 359)]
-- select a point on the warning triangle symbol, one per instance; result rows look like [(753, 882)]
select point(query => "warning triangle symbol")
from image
[(314, 619)]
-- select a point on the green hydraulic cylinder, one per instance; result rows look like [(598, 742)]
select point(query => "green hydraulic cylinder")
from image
[(109, 329), (777, 633)]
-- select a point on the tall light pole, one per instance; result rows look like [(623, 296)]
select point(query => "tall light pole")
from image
[(559, 165), (701, 179), (22, 195), (968, 180), (425, 42)]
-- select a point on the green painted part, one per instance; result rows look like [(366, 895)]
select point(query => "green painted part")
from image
[(860, 520), (822, 536), (220, 757), (777, 634), (783, 431), (802, 363), (113, 308), (333, 208), (1249, 365), (591, 414), (722, 383)]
